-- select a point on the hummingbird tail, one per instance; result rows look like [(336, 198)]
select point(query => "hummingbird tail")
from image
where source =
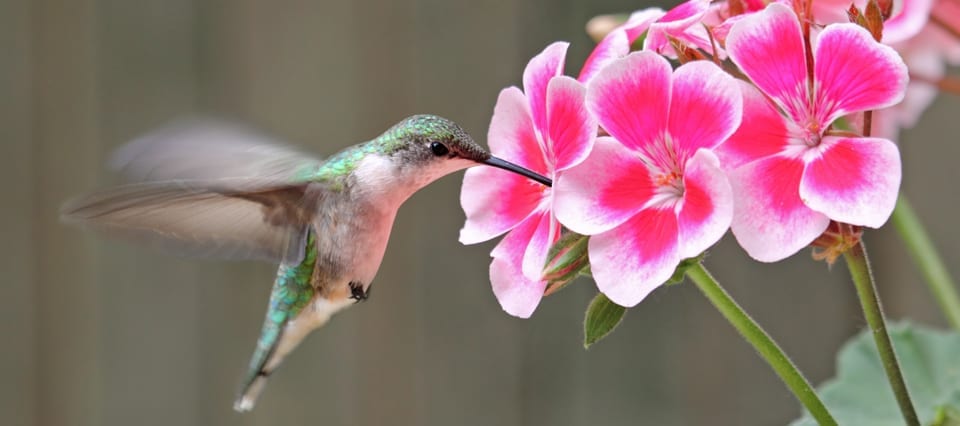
[(248, 398)]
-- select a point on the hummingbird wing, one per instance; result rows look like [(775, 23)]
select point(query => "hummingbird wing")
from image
[(198, 219), (204, 150), (207, 188)]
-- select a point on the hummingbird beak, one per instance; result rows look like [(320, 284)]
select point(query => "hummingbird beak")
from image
[(522, 171)]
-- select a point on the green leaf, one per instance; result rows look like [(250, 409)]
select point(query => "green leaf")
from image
[(602, 317), (860, 395)]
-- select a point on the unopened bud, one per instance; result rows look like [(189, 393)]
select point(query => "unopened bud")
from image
[(599, 26), (565, 261)]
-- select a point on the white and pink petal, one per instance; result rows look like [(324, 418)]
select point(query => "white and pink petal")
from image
[(603, 191), (768, 47), (518, 295), (770, 221), (705, 107), (496, 201), (706, 211), (632, 260), (842, 86), (511, 134), (763, 131), (853, 180), (538, 73), (571, 128), (631, 98)]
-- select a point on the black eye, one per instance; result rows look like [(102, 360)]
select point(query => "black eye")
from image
[(439, 149)]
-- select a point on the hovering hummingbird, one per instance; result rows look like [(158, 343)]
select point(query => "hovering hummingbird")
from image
[(210, 189)]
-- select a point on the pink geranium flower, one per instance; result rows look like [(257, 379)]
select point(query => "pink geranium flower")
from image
[(545, 128), (681, 23), (789, 175), (653, 192)]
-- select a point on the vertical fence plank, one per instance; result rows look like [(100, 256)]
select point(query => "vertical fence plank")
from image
[(146, 62), (18, 255), (66, 160)]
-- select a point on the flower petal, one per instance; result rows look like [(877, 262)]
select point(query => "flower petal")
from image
[(842, 85), (518, 295), (603, 191), (572, 129), (495, 201), (908, 21), (770, 221), (546, 233), (630, 98), (616, 44), (635, 258), (707, 207), (762, 132), (536, 75), (675, 23), (768, 48), (705, 108), (511, 135), (854, 180)]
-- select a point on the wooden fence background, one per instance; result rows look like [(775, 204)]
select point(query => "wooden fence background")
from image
[(97, 332)]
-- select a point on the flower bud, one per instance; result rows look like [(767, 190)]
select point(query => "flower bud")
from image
[(565, 261)]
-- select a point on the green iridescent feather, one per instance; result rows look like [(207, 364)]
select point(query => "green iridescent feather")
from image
[(292, 291), (336, 168)]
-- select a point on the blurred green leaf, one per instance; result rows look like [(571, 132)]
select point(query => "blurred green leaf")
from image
[(602, 317), (860, 395)]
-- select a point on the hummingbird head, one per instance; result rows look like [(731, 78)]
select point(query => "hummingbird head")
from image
[(435, 146)]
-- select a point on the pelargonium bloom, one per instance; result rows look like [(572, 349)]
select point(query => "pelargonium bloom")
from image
[(652, 193), (545, 128), (681, 23), (789, 175)]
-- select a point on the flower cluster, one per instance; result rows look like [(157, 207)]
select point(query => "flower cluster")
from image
[(733, 115)]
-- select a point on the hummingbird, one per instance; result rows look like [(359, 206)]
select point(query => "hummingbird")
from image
[(209, 189)]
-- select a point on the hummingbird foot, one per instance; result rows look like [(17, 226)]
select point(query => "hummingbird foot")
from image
[(357, 292)]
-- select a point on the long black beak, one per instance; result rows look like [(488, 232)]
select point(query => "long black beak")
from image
[(508, 166)]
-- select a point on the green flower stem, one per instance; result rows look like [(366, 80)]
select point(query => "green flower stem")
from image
[(761, 342), (928, 260), (859, 267)]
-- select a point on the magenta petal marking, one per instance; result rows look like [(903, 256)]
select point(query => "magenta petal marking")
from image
[(854, 180), (518, 295), (705, 108), (842, 85), (511, 135), (707, 207), (761, 134), (495, 201), (631, 97), (603, 191), (635, 258), (770, 221), (768, 48), (537, 75), (572, 129)]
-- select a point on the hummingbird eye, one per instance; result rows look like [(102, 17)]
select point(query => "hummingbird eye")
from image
[(439, 149)]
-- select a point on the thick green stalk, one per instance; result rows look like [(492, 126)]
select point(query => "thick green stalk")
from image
[(761, 342), (928, 260), (859, 267)]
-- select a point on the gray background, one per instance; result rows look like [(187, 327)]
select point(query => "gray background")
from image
[(97, 332)]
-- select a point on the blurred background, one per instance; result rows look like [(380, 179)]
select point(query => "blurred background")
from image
[(99, 332)]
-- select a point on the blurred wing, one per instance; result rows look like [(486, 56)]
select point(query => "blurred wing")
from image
[(202, 219), (203, 149)]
